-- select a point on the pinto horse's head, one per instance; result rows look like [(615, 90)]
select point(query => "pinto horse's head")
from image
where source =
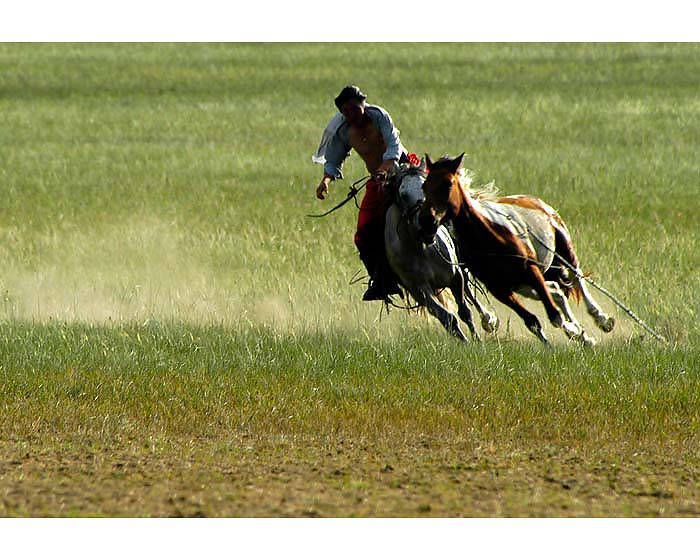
[(442, 195)]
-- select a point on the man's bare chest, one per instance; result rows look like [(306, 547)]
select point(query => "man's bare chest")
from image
[(366, 139)]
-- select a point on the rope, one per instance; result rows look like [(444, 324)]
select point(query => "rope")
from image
[(578, 274), (597, 286), (606, 292)]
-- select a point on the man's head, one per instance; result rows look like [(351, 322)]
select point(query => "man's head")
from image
[(351, 102)]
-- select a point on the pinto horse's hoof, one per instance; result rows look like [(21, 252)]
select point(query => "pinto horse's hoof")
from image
[(588, 341), (537, 331), (607, 324), (489, 323)]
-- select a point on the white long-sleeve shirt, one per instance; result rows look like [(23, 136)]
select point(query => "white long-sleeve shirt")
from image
[(335, 142)]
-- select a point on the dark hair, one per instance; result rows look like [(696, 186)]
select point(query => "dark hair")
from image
[(349, 93)]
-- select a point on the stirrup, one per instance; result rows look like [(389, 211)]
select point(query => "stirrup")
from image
[(374, 293)]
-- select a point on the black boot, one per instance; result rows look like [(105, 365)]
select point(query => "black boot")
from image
[(375, 292), (382, 283)]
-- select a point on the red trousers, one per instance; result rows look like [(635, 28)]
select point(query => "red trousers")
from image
[(370, 222)]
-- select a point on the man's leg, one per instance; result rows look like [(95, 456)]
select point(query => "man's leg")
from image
[(369, 240)]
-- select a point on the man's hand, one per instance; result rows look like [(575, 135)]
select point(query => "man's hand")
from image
[(385, 168), (379, 175), (322, 189), (387, 165)]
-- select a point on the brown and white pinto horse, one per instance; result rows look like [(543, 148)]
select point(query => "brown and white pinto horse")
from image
[(512, 244)]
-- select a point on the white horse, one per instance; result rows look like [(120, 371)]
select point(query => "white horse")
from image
[(425, 270)]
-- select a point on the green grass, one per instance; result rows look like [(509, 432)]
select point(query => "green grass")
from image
[(183, 380), (161, 286)]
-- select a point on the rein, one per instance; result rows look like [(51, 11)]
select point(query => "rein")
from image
[(352, 194)]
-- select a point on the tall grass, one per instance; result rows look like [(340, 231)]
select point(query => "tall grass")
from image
[(158, 267)]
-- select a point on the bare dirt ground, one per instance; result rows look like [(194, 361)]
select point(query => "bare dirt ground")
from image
[(242, 477)]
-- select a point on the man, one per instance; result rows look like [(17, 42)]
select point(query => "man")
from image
[(369, 130)]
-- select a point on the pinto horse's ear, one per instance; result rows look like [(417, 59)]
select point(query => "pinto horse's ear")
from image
[(428, 161), (456, 162)]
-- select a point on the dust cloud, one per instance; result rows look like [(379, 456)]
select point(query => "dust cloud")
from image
[(148, 269)]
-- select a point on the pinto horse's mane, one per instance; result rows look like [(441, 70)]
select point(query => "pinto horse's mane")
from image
[(489, 191)]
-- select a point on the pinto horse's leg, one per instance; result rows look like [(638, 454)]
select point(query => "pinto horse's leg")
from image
[(571, 328), (536, 281), (606, 323), (565, 252), (489, 320), (578, 334), (457, 289), (530, 320)]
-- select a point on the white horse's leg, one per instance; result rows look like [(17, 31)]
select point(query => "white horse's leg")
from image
[(606, 323), (573, 329), (448, 320)]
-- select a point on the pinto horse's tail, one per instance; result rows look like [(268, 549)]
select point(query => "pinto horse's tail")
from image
[(560, 270)]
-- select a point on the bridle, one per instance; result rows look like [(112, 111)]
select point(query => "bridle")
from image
[(407, 214)]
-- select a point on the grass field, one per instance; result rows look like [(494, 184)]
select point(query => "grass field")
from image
[(178, 338)]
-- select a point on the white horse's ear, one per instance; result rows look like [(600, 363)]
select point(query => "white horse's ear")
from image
[(422, 165)]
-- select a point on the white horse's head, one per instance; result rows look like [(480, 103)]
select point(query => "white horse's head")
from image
[(409, 195)]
